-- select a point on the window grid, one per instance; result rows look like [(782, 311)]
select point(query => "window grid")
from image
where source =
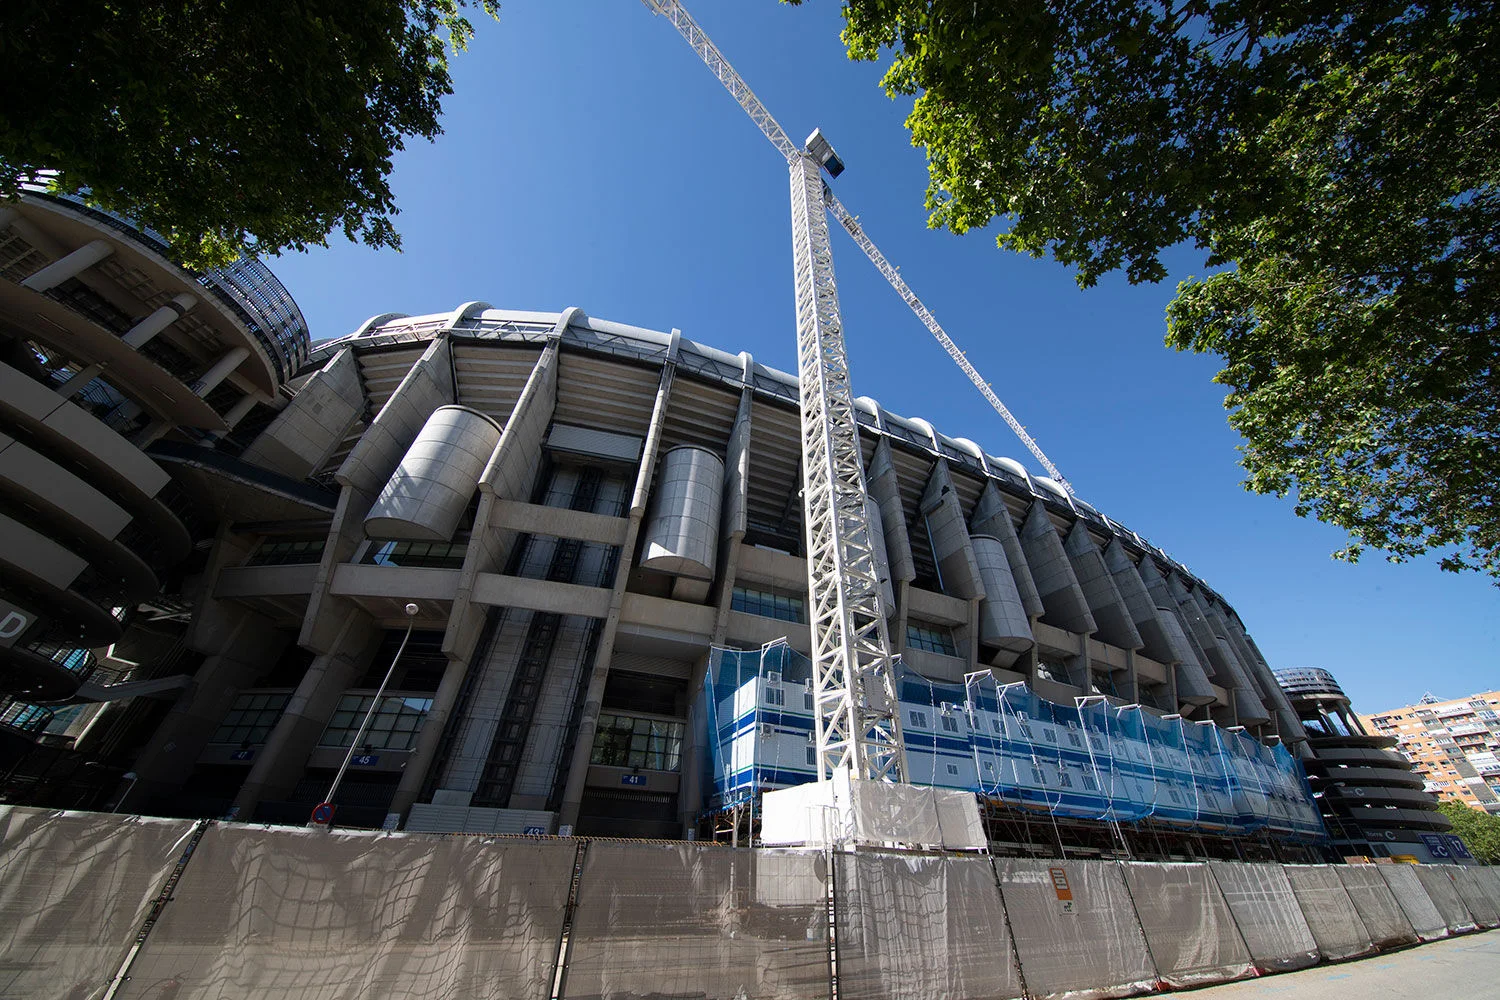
[(394, 726), (634, 741), (438, 555), (287, 553), (251, 718), (932, 638), (769, 604)]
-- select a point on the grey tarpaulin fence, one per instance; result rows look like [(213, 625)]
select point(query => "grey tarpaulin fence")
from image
[(690, 920), (1376, 905), (300, 914), (1444, 895), (194, 911), (75, 889), (1329, 911), (914, 927), (1089, 945), (1266, 911), (1188, 924), (1426, 919), (1476, 897)]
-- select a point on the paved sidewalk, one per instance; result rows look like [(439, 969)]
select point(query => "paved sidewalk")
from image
[(1466, 967)]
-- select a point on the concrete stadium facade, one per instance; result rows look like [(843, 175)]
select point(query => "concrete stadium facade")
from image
[(581, 509)]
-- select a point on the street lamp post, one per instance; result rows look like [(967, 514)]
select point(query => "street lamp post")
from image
[(323, 814)]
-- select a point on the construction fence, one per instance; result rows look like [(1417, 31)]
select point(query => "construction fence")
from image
[(102, 906)]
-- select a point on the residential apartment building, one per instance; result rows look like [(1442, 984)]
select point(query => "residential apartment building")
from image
[(1454, 745)]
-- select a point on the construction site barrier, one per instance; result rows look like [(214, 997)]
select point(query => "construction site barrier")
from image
[(914, 927), (1265, 910), (1426, 919), (1444, 895), (1376, 906), (1329, 912), (298, 914), (1189, 927), (108, 907), (75, 889), (1075, 929)]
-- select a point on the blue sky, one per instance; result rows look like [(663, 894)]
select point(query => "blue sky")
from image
[(589, 159)]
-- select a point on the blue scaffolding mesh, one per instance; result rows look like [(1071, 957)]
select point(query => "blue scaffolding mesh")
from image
[(1096, 759)]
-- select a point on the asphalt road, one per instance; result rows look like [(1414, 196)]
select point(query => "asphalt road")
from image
[(1461, 968)]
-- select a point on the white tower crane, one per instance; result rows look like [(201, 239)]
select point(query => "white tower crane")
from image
[(857, 724)]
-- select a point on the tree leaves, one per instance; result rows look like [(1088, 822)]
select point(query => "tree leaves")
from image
[(1343, 158), (230, 128)]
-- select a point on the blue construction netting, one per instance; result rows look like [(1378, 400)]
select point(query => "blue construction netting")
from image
[(1096, 759)]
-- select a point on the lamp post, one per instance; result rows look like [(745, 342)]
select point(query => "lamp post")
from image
[(323, 814)]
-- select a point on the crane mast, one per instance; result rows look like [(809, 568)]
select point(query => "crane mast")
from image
[(857, 724)]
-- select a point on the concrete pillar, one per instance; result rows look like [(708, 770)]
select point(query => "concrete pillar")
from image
[(246, 646), (313, 425), (588, 721), (220, 370), (992, 517), (70, 266), (79, 381), (885, 489), (239, 411), (1062, 597), (159, 320), (1104, 599), (951, 550), (281, 763)]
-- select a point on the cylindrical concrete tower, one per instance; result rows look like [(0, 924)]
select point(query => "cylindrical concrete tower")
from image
[(682, 536), (1002, 617), (426, 496)]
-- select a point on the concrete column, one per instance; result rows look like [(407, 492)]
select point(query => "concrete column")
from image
[(246, 646), (1105, 601), (158, 321), (951, 549), (589, 719), (79, 381), (1066, 607), (281, 762), (507, 477), (220, 370), (992, 517), (70, 266), (239, 411), (884, 488)]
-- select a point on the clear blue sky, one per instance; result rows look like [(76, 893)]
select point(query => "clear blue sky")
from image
[(589, 159)]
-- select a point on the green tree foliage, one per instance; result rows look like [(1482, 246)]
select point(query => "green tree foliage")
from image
[(1479, 831), (228, 126), (1339, 160)]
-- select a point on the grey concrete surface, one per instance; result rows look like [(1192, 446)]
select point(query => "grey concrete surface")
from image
[(1466, 967)]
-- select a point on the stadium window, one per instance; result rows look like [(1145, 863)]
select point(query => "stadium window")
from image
[(393, 727), (769, 604), (251, 718), (932, 638)]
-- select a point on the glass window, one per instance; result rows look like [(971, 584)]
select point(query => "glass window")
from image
[(633, 741), (950, 724), (769, 604), (812, 756), (952, 768), (775, 696), (919, 719), (393, 727), (287, 553), (437, 555), (932, 638), (250, 718)]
